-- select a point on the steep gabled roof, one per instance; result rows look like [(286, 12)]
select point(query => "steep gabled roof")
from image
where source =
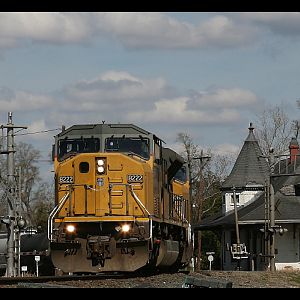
[(287, 201), (250, 167)]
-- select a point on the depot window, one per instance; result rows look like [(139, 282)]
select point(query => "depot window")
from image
[(237, 197)]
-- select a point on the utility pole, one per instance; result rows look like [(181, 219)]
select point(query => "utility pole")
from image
[(270, 227), (203, 159), (11, 196), (272, 213), (237, 230), (238, 241)]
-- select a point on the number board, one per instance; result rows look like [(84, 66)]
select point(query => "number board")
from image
[(66, 179), (134, 178)]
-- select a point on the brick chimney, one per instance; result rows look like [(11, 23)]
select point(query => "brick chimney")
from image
[(294, 149)]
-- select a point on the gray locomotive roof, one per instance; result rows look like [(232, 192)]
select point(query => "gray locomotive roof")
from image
[(98, 129), (250, 168)]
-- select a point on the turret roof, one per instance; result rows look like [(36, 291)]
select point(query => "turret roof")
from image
[(250, 168)]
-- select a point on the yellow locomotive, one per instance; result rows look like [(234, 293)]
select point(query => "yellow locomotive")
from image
[(122, 201)]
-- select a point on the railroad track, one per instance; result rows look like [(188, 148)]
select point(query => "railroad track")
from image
[(45, 279)]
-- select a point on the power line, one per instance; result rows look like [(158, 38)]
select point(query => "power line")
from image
[(43, 131)]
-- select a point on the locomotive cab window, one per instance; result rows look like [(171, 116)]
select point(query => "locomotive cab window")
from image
[(138, 146), (68, 147), (157, 152), (181, 174)]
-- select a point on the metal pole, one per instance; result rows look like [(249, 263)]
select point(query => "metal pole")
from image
[(236, 220), (272, 212), (200, 196), (267, 223), (12, 246), (18, 232), (238, 241), (11, 214), (272, 224), (37, 268)]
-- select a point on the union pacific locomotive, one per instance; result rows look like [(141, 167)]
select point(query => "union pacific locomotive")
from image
[(122, 201)]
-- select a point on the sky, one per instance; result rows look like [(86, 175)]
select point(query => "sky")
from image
[(205, 74)]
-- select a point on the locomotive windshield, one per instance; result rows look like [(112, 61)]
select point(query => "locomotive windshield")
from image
[(181, 174), (74, 146), (139, 146)]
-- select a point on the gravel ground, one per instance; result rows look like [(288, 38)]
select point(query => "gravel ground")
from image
[(239, 279), (155, 281)]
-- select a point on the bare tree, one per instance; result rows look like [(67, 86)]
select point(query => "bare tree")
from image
[(26, 157), (216, 170), (206, 174), (296, 127), (43, 203), (274, 129)]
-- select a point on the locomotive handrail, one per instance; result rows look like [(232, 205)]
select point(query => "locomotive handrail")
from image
[(54, 212), (136, 198), (179, 206)]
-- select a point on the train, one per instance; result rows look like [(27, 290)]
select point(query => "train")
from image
[(33, 244), (122, 202), (3, 247)]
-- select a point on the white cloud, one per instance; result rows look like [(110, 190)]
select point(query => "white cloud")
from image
[(133, 30), (113, 89), (226, 149), (176, 111), (44, 27), (117, 76), (144, 30), (22, 100), (229, 98), (118, 96), (152, 30), (224, 32), (38, 132), (38, 125), (36, 128), (283, 23), (213, 107)]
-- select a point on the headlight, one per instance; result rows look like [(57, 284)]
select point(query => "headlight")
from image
[(70, 228), (125, 228)]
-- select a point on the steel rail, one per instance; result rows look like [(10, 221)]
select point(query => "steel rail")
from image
[(44, 279)]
